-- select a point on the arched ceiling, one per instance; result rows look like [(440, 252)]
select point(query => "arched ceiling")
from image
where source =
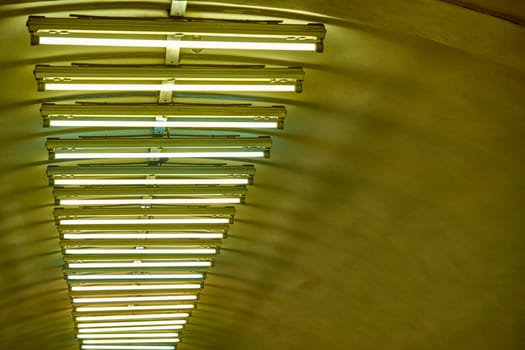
[(388, 217)]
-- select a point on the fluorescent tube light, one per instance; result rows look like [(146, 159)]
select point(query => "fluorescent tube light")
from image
[(128, 347), (132, 308), (135, 287), (131, 341), (175, 115), (127, 155), (177, 211), (166, 170), (165, 87), (133, 228), (127, 335), (94, 251), (163, 124), (132, 317), (227, 45), (190, 73), (129, 329), (143, 235), (138, 264), (168, 110), (62, 182), (174, 147), (144, 192), (133, 299), (149, 110), (143, 221), (142, 276), (195, 34), (91, 325), (186, 78), (149, 201)]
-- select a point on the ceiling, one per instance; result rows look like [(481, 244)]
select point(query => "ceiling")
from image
[(389, 216)]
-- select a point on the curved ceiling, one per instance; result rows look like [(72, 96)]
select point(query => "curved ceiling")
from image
[(388, 217)]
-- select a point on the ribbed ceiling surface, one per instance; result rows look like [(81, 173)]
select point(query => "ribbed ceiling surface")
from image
[(390, 215)]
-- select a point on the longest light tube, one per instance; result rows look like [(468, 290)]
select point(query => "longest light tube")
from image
[(176, 33)]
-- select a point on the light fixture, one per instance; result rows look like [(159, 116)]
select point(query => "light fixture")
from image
[(142, 287), (115, 212), (142, 221), (131, 341), (133, 308), (126, 192), (184, 78), (134, 227), (141, 251), (148, 201), (176, 33), (143, 216), (127, 347), (133, 299), (91, 325), (129, 329), (181, 147), (163, 115), (131, 236), (137, 264), (125, 181), (164, 171), (147, 182), (141, 276), (127, 335), (148, 195), (132, 317)]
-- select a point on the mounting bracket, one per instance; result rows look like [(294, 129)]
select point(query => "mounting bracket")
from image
[(178, 8)]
